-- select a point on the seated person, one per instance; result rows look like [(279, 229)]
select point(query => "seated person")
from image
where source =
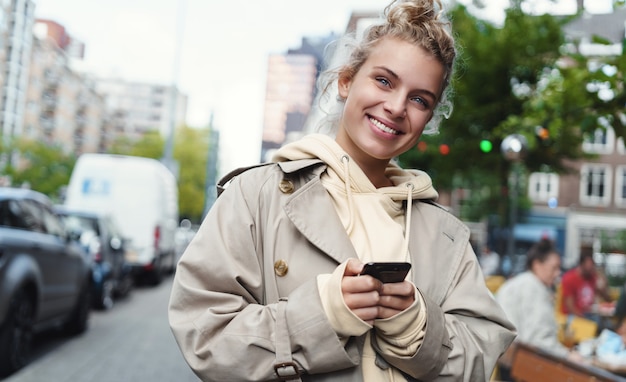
[(527, 299), (580, 288)]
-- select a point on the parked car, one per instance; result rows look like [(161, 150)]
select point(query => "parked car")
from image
[(103, 242), (44, 276)]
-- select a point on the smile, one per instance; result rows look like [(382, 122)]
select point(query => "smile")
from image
[(383, 127)]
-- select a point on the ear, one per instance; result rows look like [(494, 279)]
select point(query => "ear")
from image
[(343, 84)]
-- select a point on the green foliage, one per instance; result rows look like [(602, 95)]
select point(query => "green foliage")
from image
[(517, 78), (42, 167), (613, 241), (150, 145), (190, 151), (191, 146)]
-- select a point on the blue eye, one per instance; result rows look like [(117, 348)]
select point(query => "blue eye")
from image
[(420, 100), (383, 81)]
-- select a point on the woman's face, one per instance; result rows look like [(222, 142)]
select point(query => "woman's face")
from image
[(388, 101), (548, 270)]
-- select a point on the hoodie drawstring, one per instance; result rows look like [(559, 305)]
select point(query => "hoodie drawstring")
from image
[(345, 160), (407, 229)]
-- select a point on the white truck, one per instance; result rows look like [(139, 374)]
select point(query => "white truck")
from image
[(141, 194)]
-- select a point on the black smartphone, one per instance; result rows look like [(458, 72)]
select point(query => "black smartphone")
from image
[(387, 272)]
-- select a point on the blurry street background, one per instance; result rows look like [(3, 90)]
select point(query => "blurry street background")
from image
[(130, 343)]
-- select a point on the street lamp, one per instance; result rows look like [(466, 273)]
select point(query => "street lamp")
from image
[(514, 148)]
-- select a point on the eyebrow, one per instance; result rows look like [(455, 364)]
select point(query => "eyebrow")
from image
[(394, 75)]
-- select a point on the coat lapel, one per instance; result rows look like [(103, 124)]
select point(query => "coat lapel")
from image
[(312, 213)]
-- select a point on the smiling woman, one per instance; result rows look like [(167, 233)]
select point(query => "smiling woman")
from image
[(275, 271)]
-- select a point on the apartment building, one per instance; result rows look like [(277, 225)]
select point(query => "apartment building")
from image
[(137, 107), (62, 106), (83, 113), (16, 23), (290, 90)]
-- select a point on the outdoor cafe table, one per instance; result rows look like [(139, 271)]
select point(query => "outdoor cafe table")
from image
[(531, 364)]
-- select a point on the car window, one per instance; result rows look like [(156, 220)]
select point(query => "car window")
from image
[(52, 223), (23, 214), (10, 215), (80, 224)]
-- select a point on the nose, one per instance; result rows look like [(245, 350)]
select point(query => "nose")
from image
[(395, 105)]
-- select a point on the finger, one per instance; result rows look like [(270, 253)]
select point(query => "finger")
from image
[(384, 312), (403, 288), (361, 300), (367, 314), (395, 302), (359, 284), (353, 267)]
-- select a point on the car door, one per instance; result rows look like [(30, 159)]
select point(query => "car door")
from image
[(58, 267), (32, 241)]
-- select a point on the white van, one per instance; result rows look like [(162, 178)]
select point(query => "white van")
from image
[(142, 196)]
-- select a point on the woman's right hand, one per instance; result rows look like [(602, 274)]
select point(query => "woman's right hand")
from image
[(361, 293)]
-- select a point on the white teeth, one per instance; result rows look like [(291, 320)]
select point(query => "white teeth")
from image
[(383, 127)]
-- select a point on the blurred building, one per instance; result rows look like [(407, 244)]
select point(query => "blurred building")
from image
[(62, 106), (290, 91), (136, 107), (16, 22)]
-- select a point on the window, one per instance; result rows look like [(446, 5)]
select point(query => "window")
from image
[(601, 142), (595, 185), (542, 186), (22, 214), (53, 225), (620, 186)]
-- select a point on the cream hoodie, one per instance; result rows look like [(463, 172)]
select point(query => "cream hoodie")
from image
[(375, 221)]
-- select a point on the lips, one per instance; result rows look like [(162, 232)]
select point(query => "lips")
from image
[(382, 127)]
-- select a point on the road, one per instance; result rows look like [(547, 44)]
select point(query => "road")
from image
[(131, 342)]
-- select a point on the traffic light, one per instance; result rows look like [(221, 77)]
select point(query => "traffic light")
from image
[(486, 146)]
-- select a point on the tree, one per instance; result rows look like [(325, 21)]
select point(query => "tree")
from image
[(41, 167), (190, 151), (518, 78), (150, 145)]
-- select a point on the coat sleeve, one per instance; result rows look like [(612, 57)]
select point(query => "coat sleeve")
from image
[(216, 309), (466, 330)]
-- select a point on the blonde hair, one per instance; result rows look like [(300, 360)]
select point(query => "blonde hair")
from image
[(419, 22)]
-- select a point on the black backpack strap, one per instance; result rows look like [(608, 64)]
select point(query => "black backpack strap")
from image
[(223, 183)]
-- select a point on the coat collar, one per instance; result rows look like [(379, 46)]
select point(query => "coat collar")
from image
[(311, 211)]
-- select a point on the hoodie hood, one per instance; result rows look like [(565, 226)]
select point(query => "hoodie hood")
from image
[(318, 146), (366, 212)]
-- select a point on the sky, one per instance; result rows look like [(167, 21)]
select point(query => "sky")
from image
[(215, 51)]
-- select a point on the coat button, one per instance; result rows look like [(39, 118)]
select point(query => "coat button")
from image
[(281, 268), (286, 186)]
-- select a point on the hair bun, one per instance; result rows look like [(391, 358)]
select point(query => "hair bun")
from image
[(413, 11)]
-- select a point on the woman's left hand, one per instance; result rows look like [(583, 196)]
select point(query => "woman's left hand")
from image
[(394, 298)]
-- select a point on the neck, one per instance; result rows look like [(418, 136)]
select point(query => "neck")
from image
[(375, 172)]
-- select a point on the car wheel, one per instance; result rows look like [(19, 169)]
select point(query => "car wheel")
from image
[(16, 333), (105, 299), (78, 320)]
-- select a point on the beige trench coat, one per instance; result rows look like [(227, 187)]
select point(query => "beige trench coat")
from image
[(266, 239)]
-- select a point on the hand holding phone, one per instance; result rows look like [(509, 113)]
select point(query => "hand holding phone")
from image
[(387, 272)]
